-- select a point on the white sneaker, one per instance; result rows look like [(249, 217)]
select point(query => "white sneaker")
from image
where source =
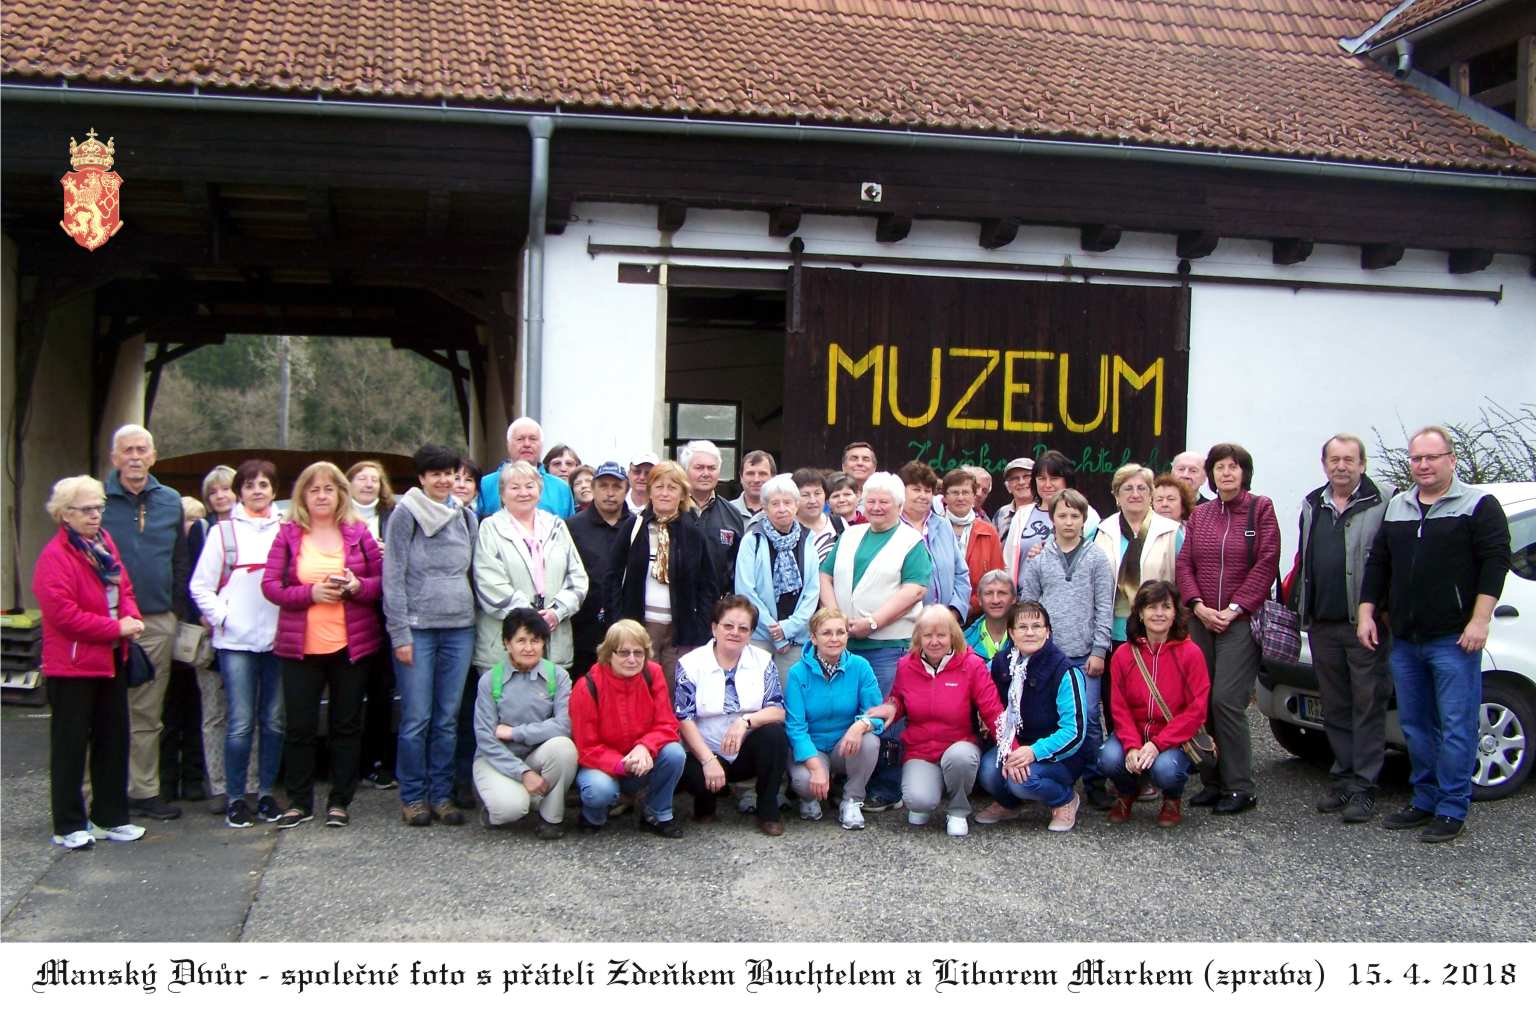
[(810, 810), (81, 840), (850, 814), (120, 834), (747, 802), (917, 817), (956, 826)]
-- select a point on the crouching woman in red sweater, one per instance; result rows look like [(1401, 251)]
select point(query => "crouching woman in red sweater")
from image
[(1149, 732)]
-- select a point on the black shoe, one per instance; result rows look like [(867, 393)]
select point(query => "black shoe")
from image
[(381, 778), (193, 791), (1442, 830), (1098, 796), (267, 809), (1235, 803), (1332, 802), (1207, 797), (874, 805), (548, 829), (1361, 807), (153, 807), (1408, 817), (238, 815), (588, 827), (293, 817), (668, 829), (464, 796)]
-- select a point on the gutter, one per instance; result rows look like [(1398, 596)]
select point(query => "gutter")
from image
[(445, 113)]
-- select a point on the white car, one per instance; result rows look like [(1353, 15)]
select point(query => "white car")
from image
[(1506, 746)]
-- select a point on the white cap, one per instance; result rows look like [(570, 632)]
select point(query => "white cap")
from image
[(646, 459)]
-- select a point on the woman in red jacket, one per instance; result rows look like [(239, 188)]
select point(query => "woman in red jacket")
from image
[(324, 573), (941, 685), (626, 733), (89, 617), (1230, 556), (1148, 732)]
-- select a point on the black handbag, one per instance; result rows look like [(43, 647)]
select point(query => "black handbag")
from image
[(139, 669)]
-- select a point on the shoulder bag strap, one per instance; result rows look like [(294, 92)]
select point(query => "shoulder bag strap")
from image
[(1151, 685)]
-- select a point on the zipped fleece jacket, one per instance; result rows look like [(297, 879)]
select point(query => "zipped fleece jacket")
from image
[(241, 616), (79, 632), (754, 581), (1362, 520), (280, 585), (818, 710), (148, 526), (951, 581), (1053, 705), (1081, 602), (1213, 565), (1428, 570), (721, 527), (526, 705), (940, 707), (1179, 671), (627, 711), (426, 576)]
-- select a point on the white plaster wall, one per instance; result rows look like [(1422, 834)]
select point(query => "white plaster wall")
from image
[(1275, 370)]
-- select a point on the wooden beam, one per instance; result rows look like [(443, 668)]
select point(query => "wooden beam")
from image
[(670, 216), (322, 216), (1100, 237), (1498, 95), (1469, 261), (439, 204), (784, 221), (1461, 77), (893, 227), (557, 214), (1525, 80), (997, 233), (1380, 256), (1194, 245), (1288, 251)]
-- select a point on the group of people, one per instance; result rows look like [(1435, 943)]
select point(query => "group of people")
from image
[(864, 639)]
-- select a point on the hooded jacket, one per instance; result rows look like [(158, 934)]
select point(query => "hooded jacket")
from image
[(818, 710), (79, 632), (242, 617), (1080, 600), (426, 576)]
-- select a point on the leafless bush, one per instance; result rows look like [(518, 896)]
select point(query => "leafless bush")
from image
[(1499, 446)]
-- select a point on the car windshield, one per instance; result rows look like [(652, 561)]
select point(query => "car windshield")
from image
[(1522, 542)]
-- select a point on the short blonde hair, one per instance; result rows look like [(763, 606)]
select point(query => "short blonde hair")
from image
[(618, 633), (523, 468), (669, 470), (298, 512), (825, 615), (70, 491), (938, 611), (1126, 472), (193, 509), (218, 476)]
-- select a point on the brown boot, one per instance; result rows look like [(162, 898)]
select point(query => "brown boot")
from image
[(1170, 814), (1120, 810)]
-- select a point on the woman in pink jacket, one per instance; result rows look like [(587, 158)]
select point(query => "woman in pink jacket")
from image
[(940, 686), (89, 618), (325, 575)]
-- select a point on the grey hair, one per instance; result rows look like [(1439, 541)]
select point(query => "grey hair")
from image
[(522, 467), (693, 448), (1438, 431), (524, 421), (67, 492), (783, 485), (887, 483), (994, 576), (128, 430)]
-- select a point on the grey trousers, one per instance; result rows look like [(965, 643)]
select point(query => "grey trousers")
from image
[(146, 704), (924, 784), (858, 769), (782, 660), (1354, 684), (1233, 660), (507, 800)]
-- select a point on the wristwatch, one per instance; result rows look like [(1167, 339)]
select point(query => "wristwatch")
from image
[(873, 623), (1234, 607), (746, 720)]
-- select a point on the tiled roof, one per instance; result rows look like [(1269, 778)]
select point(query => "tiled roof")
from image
[(1422, 11), (1245, 76)]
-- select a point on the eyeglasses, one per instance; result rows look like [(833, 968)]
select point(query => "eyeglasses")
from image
[(731, 627), (1419, 460), (629, 652), (89, 511), (1030, 627)]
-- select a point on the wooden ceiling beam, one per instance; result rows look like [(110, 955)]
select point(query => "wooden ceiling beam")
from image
[(1380, 255), (1197, 244), (784, 221), (1099, 237), (1290, 251), (893, 227), (998, 232), (670, 216), (1469, 261)]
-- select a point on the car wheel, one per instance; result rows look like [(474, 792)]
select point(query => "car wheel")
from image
[(1307, 744), (1506, 731)]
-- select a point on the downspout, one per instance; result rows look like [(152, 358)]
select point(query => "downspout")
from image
[(540, 128), (1404, 57)]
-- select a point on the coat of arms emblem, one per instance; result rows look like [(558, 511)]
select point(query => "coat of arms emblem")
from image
[(91, 193)]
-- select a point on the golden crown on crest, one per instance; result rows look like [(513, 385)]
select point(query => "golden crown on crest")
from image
[(91, 153)]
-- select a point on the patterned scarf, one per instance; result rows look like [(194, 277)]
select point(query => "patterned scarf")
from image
[(1007, 729), (786, 567), (661, 540), (95, 551)]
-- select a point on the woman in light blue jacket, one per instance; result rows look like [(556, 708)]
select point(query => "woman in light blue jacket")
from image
[(776, 569)]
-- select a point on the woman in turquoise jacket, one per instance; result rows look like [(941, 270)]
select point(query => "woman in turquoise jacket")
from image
[(778, 571), (827, 697)]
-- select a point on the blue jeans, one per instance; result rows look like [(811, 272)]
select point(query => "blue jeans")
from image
[(253, 684), (430, 688), (1048, 783), (1439, 699), (600, 791), (885, 784), (1168, 773), (1095, 738)]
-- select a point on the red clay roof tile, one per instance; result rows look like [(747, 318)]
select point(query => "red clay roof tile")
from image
[(1247, 76)]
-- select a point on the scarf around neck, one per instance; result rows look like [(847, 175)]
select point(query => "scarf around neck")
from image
[(661, 541), (1007, 725), (787, 578), (1129, 580), (430, 516), (962, 526), (96, 553)]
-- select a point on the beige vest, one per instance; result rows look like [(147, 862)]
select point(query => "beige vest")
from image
[(879, 581)]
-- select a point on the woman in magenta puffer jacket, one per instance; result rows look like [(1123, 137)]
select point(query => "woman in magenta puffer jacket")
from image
[(89, 617), (325, 575)]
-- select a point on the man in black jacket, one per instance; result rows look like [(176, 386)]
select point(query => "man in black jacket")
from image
[(593, 530), (1438, 564), (717, 518)]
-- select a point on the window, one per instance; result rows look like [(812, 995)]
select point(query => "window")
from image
[(719, 422)]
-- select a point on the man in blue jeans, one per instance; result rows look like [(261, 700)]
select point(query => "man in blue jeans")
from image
[(1439, 561)]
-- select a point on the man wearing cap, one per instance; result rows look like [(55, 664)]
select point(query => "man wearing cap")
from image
[(593, 530), (525, 443), (640, 482), (1012, 516)]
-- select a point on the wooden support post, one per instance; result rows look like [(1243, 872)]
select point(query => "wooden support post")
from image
[(997, 233), (1525, 80), (893, 227), (1194, 245), (1289, 251), (1469, 261), (1380, 256), (557, 214), (1100, 237), (1461, 77)]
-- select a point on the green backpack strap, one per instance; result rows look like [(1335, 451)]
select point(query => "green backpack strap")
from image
[(549, 676), (499, 677)]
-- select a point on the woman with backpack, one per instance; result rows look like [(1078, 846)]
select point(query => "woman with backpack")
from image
[(523, 747), (226, 585)]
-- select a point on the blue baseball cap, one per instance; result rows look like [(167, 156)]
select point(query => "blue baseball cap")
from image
[(612, 469)]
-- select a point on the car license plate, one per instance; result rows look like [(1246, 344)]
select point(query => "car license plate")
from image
[(1311, 709)]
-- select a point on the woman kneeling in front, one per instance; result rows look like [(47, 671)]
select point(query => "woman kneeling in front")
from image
[(523, 747), (941, 684), (1041, 729), (1158, 699)]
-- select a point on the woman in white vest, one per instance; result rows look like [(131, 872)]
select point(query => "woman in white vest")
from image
[(1141, 544), (878, 574), (730, 715)]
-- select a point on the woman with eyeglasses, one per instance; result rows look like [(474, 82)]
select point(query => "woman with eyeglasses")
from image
[(626, 733), (89, 618), (730, 714), (1140, 544)]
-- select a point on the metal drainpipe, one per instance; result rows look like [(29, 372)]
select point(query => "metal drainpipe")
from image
[(540, 128)]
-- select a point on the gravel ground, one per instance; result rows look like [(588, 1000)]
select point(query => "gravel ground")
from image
[(1281, 873)]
